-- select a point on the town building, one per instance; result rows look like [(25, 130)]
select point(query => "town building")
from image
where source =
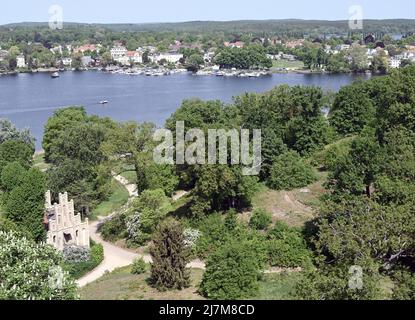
[(395, 63), (21, 62), (3, 54), (135, 56), (64, 227), (172, 57), (87, 61), (118, 52), (67, 62), (294, 43), (87, 48), (236, 44), (343, 47)]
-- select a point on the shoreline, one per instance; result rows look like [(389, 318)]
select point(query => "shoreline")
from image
[(164, 71)]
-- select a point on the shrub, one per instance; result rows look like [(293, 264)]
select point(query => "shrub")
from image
[(213, 233), (147, 211), (260, 219), (287, 247), (75, 254), (231, 272), (289, 171), (31, 271), (139, 266), (405, 286), (79, 269), (114, 229), (191, 236)]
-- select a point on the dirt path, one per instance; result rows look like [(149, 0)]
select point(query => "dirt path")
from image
[(116, 257)]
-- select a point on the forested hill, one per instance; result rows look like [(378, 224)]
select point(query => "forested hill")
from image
[(258, 27)]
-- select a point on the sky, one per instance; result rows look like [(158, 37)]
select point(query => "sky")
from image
[(143, 11)]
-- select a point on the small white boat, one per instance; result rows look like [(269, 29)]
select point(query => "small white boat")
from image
[(103, 102), (55, 75)]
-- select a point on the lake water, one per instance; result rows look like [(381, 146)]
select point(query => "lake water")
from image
[(28, 100)]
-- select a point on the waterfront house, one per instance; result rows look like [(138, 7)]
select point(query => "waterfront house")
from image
[(87, 61), (21, 62), (395, 63), (118, 52), (172, 57), (67, 62), (135, 56), (3, 54)]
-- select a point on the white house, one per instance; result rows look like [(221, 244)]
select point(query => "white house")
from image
[(21, 62), (124, 60), (3, 54), (67, 62), (118, 52), (172, 57), (395, 63), (135, 56), (343, 47)]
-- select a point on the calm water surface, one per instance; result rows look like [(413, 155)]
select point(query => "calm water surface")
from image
[(28, 100)]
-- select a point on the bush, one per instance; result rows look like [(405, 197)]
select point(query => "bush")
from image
[(404, 286), (75, 254), (191, 236), (147, 211), (139, 266), (289, 171), (31, 271), (231, 272), (260, 219), (287, 247), (213, 233), (96, 256), (114, 229)]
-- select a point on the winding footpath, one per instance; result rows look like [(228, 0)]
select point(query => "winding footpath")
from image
[(116, 257)]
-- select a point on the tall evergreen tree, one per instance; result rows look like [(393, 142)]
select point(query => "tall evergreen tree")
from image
[(170, 257)]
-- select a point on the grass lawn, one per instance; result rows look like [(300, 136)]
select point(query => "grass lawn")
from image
[(295, 65), (278, 286), (122, 285), (39, 161), (119, 197)]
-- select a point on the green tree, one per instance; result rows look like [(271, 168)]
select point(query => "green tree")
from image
[(170, 257), (194, 62), (289, 171), (352, 109), (260, 219), (12, 176), (231, 272), (15, 151), (25, 204)]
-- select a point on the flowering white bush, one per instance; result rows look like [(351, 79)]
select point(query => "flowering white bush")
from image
[(133, 223), (31, 271), (75, 254), (191, 236)]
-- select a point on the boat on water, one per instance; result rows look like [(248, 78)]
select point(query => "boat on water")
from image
[(55, 75), (103, 102)]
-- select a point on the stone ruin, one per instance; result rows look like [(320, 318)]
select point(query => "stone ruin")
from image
[(64, 227)]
